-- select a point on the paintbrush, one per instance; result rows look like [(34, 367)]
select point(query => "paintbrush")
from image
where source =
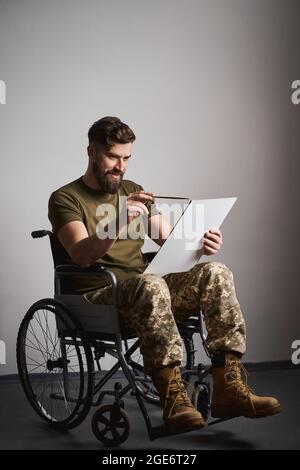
[(171, 197)]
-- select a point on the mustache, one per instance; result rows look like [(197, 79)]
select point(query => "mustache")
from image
[(115, 173)]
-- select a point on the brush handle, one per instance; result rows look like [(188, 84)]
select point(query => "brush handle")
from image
[(171, 197)]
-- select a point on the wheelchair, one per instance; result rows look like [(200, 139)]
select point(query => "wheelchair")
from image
[(62, 339)]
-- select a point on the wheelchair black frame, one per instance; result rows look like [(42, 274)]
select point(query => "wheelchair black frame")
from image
[(115, 348)]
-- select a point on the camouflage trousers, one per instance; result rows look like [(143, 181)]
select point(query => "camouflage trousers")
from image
[(151, 305)]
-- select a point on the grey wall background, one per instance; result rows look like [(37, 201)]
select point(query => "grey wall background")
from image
[(206, 85)]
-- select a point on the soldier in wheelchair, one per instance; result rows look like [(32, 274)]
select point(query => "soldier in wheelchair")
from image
[(156, 308)]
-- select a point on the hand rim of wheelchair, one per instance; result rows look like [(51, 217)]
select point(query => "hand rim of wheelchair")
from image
[(118, 418), (82, 402)]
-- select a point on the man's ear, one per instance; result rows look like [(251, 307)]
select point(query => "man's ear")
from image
[(92, 152)]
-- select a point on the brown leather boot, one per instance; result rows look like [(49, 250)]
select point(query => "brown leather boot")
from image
[(179, 414), (232, 396)]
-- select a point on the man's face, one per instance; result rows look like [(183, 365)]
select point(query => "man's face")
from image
[(109, 166)]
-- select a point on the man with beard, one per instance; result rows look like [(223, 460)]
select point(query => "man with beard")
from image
[(151, 304)]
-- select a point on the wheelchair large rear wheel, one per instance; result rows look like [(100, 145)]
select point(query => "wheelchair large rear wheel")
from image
[(55, 364)]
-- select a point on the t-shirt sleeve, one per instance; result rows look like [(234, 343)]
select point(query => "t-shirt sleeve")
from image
[(62, 208)]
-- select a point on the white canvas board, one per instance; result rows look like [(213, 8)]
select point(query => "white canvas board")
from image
[(181, 250)]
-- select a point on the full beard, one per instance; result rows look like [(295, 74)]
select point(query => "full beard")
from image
[(106, 182)]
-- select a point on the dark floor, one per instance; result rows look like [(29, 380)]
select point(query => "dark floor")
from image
[(21, 428)]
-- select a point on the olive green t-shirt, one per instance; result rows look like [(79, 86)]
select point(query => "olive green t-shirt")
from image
[(77, 201)]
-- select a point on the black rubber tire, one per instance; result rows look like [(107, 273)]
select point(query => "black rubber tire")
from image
[(117, 419), (82, 351)]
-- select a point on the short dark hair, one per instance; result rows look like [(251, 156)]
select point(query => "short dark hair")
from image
[(108, 131)]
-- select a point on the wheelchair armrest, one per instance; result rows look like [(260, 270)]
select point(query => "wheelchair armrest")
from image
[(74, 269)]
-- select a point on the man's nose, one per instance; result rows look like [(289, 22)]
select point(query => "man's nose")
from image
[(120, 166)]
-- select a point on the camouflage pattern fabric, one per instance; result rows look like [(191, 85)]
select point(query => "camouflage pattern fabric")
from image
[(151, 305)]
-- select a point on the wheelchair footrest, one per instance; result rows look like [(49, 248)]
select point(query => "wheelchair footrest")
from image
[(162, 431), (221, 420), (158, 431)]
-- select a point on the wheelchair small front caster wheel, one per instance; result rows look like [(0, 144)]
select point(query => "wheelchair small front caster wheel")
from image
[(110, 425), (201, 400)]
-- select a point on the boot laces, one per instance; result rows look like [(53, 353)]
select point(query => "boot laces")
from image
[(236, 372), (177, 391)]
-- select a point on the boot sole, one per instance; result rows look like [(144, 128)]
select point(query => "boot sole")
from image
[(231, 412), (184, 426)]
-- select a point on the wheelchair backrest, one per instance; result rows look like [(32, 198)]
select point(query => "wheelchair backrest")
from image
[(59, 254)]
